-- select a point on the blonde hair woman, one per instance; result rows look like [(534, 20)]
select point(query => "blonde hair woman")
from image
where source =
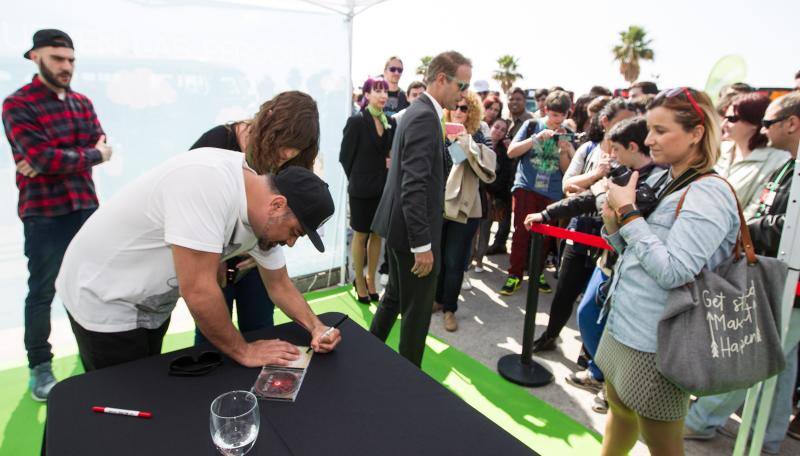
[(659, 253), (462, 190)]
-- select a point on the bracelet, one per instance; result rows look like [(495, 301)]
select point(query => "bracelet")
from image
[(629, 215), (545, 216), (621, 211)]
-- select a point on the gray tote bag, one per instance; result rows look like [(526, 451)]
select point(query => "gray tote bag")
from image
[(720, 333)]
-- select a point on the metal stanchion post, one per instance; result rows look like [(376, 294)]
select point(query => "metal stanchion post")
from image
[(522, 369)]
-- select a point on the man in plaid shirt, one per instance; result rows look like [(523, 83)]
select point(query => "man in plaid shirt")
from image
[(56, 139)]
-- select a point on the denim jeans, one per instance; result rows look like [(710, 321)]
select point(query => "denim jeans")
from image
[(46, 240), (456, 250), (588, 313), (711, 412), (254, 308)]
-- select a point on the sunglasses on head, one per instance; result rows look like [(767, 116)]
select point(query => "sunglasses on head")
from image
[(462, 86), (766, 123), (669, 93), (395, 69), (188, 366), (462, 108), (733, 119)]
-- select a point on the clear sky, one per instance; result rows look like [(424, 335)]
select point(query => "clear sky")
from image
[(569, 43)]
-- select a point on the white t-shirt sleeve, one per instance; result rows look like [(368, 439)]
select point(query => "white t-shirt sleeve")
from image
[(271, 259), (197, 202)]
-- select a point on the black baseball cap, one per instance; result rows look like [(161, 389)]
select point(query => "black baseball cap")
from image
[(308, 197), (49, 37)]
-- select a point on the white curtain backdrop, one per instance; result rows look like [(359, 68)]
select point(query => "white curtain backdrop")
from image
[(160, 73)]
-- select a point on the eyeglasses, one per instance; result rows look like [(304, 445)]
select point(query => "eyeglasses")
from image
[(683, 90), (732, 119), (394, 69), (766, 123), (462, 86), (462, 108)]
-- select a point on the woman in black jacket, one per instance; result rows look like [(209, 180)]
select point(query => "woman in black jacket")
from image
[(364, 155)]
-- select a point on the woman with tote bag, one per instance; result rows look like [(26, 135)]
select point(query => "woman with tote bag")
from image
[(657, 254)]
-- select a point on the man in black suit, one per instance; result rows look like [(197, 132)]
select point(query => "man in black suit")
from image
[(409, 215)]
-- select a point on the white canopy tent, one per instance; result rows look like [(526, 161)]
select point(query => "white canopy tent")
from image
[(162, 72)]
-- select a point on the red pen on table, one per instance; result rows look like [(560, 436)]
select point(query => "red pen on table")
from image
[(117, 411)]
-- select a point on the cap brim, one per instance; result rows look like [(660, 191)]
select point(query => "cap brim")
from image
[(27, 55), (314, 237)]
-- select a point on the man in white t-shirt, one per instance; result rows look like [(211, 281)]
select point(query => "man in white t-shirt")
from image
[(166, 234)]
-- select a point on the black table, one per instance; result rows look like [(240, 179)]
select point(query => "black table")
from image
[(362, 399)]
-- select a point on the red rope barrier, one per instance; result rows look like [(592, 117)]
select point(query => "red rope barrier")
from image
[(575, 236), (583, 238)]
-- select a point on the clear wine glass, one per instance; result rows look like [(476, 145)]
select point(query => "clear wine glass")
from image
[(234, 423)]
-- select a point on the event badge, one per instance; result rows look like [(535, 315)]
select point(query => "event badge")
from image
[(456, 153), (542, 181)]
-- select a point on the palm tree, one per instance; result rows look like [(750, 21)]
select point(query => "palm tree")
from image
[(632, 48), (423, 65), (507, 74)]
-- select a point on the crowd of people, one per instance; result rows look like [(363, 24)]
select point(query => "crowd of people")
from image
[(552, 165), (430, 170)]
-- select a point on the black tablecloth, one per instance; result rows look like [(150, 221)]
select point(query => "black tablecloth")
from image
[(362, 399)]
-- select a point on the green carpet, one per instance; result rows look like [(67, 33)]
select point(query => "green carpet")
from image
[(534, 422)]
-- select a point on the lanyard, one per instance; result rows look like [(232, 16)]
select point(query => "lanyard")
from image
[(777, 182), (770, 190)]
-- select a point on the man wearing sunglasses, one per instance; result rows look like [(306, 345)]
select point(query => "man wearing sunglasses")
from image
[(392, 71), (164, 235), (409, 215)]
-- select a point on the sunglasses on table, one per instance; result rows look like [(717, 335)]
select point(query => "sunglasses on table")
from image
[(189, 366), (394, 69), (462, 86), (766, 123), (462, 108), (677, 91)]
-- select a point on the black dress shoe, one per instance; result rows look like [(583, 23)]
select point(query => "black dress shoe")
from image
[(545, 343), (374, 297), (361, 299)]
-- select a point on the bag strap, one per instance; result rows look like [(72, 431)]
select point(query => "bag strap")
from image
[(743, 240)]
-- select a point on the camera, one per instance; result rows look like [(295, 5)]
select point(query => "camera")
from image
[(646, 199), (620, 175), (564, 137)]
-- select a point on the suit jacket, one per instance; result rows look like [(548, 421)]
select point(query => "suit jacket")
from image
[(363, 155), (410, 211)]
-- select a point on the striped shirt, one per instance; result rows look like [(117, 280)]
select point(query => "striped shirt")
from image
[(56, 138)]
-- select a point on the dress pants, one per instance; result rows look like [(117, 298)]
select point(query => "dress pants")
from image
[(409, 296)]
